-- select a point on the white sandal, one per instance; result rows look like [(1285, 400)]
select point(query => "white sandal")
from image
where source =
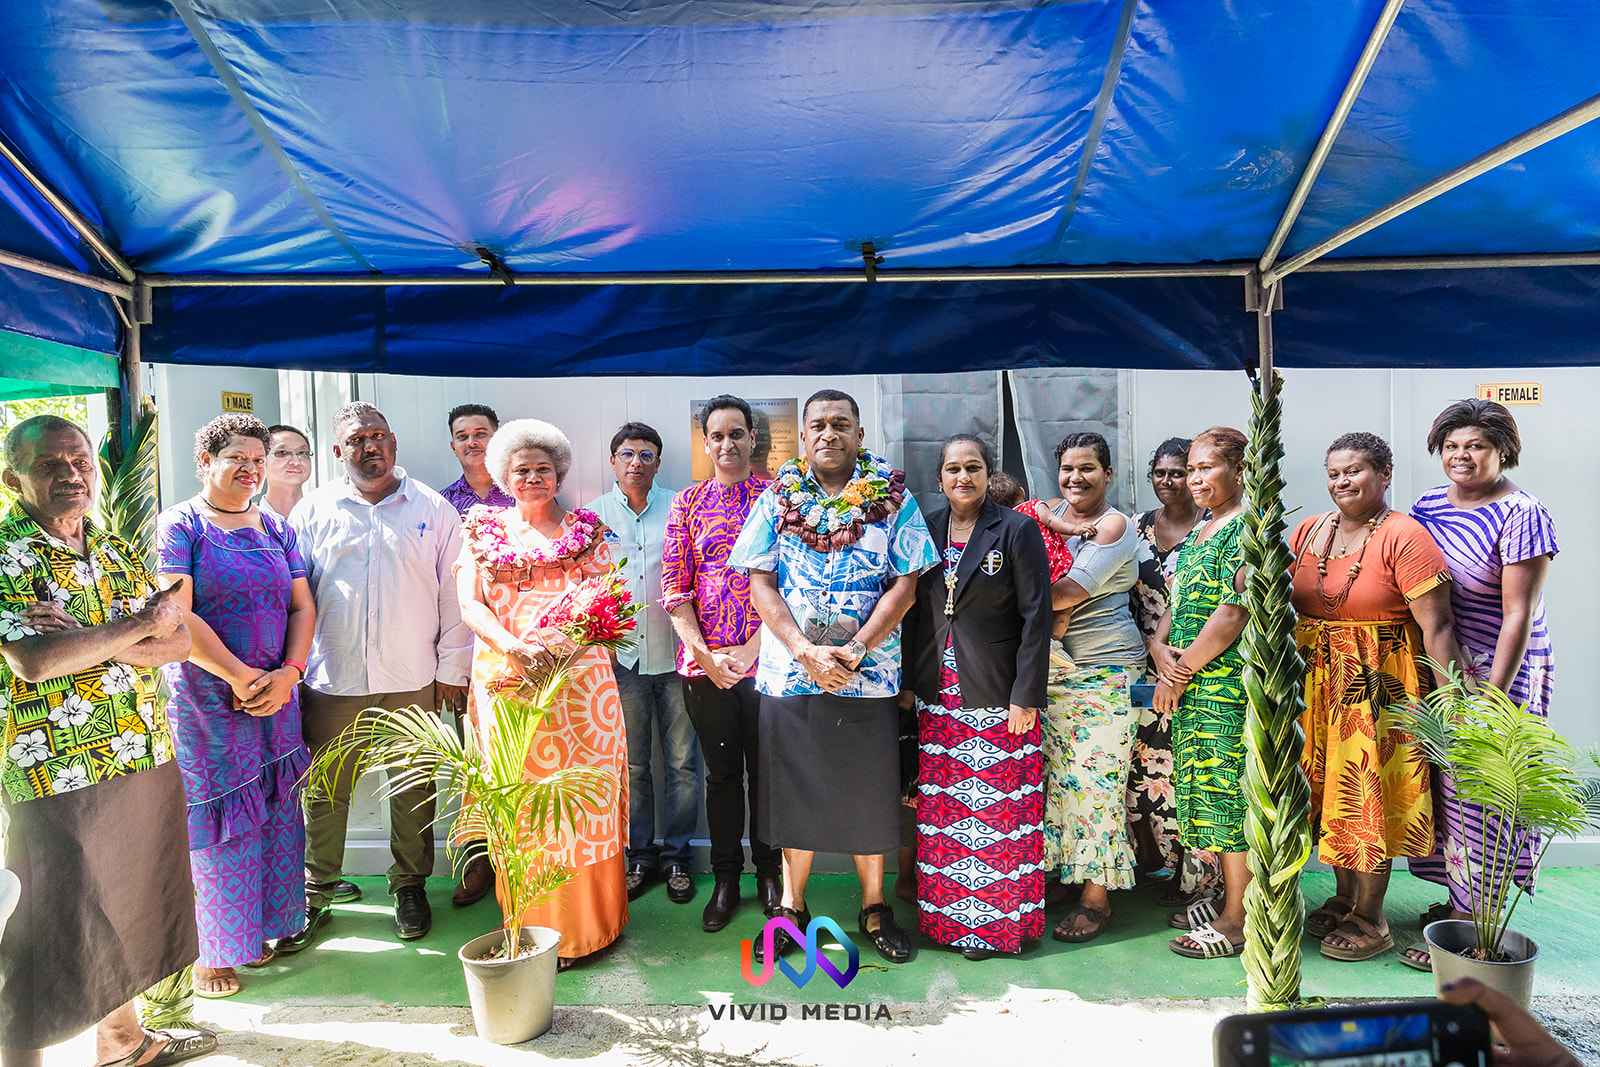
[(1197, 914), (1214, 945)]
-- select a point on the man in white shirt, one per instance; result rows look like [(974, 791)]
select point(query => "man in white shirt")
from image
[(635, 514), (379, 547)]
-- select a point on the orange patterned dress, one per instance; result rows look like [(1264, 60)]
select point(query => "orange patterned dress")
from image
[(586, 729), (1371, 796)]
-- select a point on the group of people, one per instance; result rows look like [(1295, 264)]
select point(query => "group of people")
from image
[(1038, 701)]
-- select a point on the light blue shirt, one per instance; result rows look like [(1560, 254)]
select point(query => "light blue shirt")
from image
[(831, 594), (638, 540)]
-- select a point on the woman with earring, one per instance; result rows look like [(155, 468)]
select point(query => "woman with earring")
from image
[(1200, 666), (1373, 594), (977, 647), (235, 711), (1498, 540)]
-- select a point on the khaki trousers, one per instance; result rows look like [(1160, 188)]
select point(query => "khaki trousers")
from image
[(411, 813)]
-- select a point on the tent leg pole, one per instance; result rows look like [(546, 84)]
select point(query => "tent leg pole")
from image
[(131, 371), (1278, 799)]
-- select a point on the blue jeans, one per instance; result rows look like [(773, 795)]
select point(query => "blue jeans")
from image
[(652, 706)]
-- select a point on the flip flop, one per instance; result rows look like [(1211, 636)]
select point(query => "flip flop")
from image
[(1367, 940), (1325, 919), (222, 994), (197, 1043), (1213, 944), (1067, 931), (1409, 958)]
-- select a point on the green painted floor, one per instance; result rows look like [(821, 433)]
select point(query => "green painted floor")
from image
[(664, 957)]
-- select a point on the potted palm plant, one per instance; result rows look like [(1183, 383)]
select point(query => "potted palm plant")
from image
[(517, 823), (1510, 762)]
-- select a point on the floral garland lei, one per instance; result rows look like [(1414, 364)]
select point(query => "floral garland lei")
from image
[(831, 523), (485, 530)]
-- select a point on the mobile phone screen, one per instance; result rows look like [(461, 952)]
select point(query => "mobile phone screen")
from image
[(1401, 1040)]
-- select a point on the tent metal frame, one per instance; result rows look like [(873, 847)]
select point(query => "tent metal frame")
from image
[(1263, 278)]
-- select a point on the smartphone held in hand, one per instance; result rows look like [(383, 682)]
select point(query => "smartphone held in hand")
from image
[(1420, 1033)]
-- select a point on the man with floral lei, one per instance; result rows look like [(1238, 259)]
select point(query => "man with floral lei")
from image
[(833, 548)]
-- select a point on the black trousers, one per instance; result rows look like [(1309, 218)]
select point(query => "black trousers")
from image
[(728, 722)]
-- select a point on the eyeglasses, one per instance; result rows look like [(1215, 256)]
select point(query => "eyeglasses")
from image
[(301, 455), (645, 456)]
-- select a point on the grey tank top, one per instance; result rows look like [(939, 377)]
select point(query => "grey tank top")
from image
[(1103, 632)]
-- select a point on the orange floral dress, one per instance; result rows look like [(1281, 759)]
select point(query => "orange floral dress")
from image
[(1371, 795), (586, 729)]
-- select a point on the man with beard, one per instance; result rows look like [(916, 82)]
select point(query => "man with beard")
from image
[(380, 547), (833, 548), (88, 777)]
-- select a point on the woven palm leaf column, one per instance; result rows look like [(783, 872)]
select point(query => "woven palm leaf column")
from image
[(1277, 823)]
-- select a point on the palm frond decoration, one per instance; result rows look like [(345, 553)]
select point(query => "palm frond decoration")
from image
[(1514, 765), (1278, 817), (517, 824), (130, 484)]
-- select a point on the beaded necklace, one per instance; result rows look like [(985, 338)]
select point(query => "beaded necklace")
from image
[(1334, 603)]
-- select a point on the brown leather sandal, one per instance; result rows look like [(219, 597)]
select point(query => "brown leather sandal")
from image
[(1067, 929), (1363, 939), (1325, 919)]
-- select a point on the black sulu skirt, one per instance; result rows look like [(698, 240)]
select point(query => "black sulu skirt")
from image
[(830, 771), (107, 906)]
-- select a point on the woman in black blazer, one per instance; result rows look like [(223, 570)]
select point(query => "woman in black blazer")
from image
[(977, 649)]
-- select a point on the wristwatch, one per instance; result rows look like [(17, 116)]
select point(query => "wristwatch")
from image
[(857, 650)]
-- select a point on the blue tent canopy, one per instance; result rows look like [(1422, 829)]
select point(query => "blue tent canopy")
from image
[(218, 140)]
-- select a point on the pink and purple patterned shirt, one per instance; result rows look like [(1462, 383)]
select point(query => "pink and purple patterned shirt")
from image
[(702, 526), (463, 498)]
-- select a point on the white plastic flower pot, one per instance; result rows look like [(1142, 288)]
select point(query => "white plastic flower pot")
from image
[(512, 1000), (1449, 939)]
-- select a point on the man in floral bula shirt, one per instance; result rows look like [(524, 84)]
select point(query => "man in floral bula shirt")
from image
[(96, 809)]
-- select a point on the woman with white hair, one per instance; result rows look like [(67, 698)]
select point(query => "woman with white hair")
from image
[(516, 563)]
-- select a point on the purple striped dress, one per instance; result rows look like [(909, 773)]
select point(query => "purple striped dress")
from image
[(1479, 543)]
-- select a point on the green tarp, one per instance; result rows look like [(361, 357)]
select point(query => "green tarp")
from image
[(30, 367)]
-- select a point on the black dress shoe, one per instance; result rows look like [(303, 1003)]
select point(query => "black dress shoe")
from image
[(892, 943), (412, 916), (978, 953), (316, 919), (343, 892), (723, 903), (640, 879), (680, 887), (769, 892), (782, 940)]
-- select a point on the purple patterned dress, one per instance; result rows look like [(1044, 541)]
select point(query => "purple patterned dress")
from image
[(240, 773), (1479, 543)]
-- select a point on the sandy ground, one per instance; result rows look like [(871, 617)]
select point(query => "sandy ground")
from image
[(938, 1031)]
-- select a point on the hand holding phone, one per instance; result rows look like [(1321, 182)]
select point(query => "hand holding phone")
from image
[(1416, 1033)]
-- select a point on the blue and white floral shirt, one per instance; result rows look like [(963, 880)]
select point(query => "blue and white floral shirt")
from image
[(831, 594)]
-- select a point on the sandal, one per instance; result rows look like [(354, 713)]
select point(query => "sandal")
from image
[(196, 1043), (891, 942), (1067, 929), (1324, 920), (1435, 913), (229, 986), (1201, 910), (1418, 958), (1363, 939), (1208, 943), (268, 954)]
